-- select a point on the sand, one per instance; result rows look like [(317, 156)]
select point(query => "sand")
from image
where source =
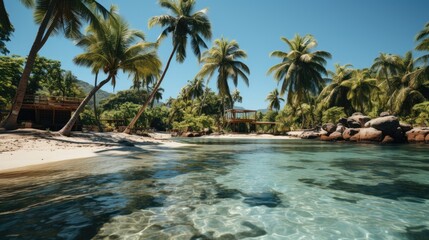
[(27, 147)]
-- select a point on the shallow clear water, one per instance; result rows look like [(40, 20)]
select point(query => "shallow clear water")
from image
[(225, 189)]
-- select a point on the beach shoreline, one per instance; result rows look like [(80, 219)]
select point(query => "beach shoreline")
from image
[(30, 147)]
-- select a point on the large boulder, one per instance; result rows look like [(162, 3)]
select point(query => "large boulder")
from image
[(368, 135), (388, 139), (343, 121), (310, 135), (405, 127), (349, 132), (417, 135), (329, 127), (357, 121), (340, 128), (388, 125)]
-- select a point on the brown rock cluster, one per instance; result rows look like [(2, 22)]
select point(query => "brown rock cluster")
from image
[(383, 129)]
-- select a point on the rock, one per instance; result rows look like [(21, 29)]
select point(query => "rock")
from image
[(384, 114), (309, 135), (368, 135), (329, 127), (349, 132), (197, 134), (388, 124), (388, 139), (427, 138), (187, 134), (325, 137), (343, 121), (405, 127), (336, 136), (357, 121), (357, 114), (417, 134), (340, 128)]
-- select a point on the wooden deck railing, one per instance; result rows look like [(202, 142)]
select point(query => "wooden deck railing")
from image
[(56, 102)]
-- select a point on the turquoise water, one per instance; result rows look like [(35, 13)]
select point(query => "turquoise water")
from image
[(225, 189)]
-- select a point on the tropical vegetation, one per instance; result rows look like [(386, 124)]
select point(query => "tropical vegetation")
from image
[(308, 93)]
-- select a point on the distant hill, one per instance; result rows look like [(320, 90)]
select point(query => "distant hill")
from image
[(100, 95)]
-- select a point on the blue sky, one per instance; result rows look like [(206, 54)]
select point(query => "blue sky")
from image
[(353, 32)]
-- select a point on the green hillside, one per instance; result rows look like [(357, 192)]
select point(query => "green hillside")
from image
[(100, 95)]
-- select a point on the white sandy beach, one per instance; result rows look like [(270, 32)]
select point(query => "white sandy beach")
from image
[(27, 147)]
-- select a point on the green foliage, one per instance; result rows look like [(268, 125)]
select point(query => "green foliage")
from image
[(333, 114), (421, 113), (87, 117), (10, 73), (191, 122), (114, 101)]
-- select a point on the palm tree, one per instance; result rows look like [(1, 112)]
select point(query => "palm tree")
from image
[(420, 76), (182, 24), (274, 100), (334, 94), (6, 27), (236, 97), (387, 68), (224, 57), (157, 97), (301, 69), (361, 87), (53, 16), (109, 48), (408, 94)]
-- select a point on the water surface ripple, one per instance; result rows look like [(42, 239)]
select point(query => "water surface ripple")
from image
[(225, 189)]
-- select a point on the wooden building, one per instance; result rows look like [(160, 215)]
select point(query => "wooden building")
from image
[(237, 117), (47, 112)]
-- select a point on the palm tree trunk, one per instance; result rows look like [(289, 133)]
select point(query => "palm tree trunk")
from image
[(11, 120), (155, 89), (97, 119), (68, 127), (204, 96)]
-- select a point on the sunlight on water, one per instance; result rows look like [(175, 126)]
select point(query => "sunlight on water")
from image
[(231, 189)]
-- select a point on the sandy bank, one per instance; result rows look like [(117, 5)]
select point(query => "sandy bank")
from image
[(26, 147)]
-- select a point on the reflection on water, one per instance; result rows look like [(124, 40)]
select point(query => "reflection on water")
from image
[(225, 189)]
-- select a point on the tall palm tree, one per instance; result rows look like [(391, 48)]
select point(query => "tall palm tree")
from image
[(387, 68), (334, 94), (301, 68), (53, 17), (408, 94), (361, 87), (111, 47), (224, 57), (274, 100), (183, 23)]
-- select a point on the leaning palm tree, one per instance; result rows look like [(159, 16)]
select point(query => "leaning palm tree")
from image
[(361, 87), (274, 100), (301, 69), (224, 58), (334, 94), (183, 23), (53, 17), (111, 48)]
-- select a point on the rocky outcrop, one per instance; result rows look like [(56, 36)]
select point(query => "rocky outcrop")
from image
[(349, 132), (357, 120), (418, 135), (329, 127), (388, 125), (367, 135)]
